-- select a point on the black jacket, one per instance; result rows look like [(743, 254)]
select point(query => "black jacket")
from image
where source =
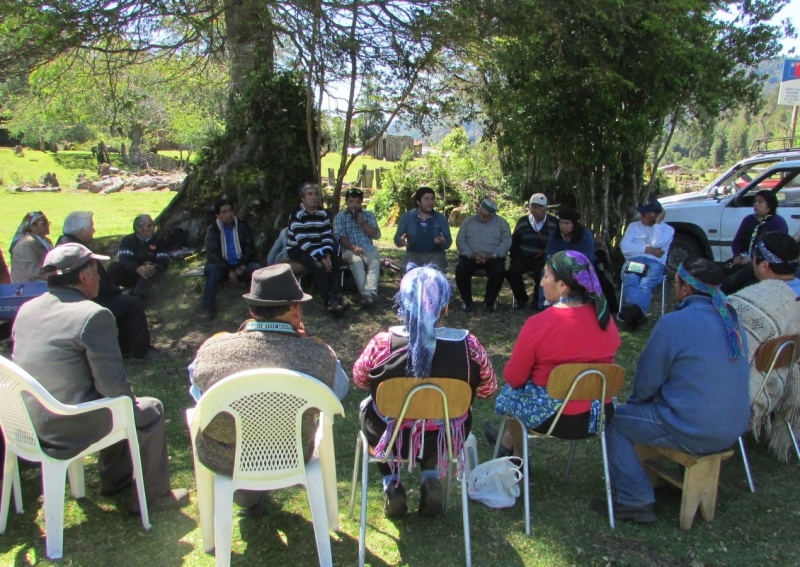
[(213, 245)]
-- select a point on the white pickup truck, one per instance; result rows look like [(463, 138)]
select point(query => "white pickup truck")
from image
[(706, 221)]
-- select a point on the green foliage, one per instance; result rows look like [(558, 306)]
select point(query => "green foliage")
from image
[(261, 158)]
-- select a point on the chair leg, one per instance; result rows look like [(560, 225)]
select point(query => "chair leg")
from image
[(327, 462), (794, 440), (319, 512), (570, 456), (354, 483), (526, 489), (77, 483), (607, 478), (498, 442), (746, 464), (223, 519), (54, 478), (465, 514), (138, 475), (362, 532), (10, 480), (205, 503)]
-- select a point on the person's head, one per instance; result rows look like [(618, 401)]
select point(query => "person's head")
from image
[(353, 198), (538, 206), (569, 224), (223, 208), (144, 226), (73, 265), (80, 224), (275, 294), (310, 196), (765, 203), (569, 275), (774, 255), (425, 199), (35, 223), (649, 211), (699, 276), (422, 301), (487, 210), (700, 269)]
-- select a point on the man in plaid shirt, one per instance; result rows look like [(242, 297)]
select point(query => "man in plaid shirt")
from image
[(355, 229)]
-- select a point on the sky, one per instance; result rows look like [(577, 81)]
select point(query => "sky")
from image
[(792, 12)]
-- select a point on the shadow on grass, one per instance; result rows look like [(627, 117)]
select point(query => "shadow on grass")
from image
[(75, 160)]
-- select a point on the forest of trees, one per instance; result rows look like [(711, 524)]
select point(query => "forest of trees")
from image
[(580, 100)]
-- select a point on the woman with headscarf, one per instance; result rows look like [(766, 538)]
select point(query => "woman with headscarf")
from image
[(28, 248), (570, 235), (420, 348), (739, 269), (577, 328)]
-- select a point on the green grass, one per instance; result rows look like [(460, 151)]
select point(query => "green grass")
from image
[(114, 213), (749, 529)]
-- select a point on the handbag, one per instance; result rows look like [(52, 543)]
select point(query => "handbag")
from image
[(495, 483)]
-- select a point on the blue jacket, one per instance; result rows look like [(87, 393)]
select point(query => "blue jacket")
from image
[(556, 243), (420, 238), (702, 395)]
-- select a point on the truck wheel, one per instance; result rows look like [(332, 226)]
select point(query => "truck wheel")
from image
[(683, 246)]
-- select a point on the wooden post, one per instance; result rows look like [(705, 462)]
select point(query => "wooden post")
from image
[(369, 174), (331, 177), (792, 127)]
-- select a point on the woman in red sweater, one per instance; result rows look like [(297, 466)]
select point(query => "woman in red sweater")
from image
[(577, 328)]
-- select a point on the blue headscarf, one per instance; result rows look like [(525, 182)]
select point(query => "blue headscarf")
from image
[(424, 294), (725, 310)]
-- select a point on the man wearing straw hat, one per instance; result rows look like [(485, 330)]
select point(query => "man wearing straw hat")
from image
[(274, 337)]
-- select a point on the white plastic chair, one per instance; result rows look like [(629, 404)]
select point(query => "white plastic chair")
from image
[(414, 399), (21, 441), (267, 406), (779, 352), (572, 382)]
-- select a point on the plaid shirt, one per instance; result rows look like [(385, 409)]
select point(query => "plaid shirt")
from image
[(344, 225)]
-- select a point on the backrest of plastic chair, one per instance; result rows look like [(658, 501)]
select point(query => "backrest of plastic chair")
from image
[(14, 417), (267, 405), (584, 381), (395, 393)]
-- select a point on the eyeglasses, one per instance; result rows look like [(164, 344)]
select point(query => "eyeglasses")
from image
[(353, 193), (48, 223)]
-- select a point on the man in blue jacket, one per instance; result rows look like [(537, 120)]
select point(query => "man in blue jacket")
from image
[(424, 233), (690, 392)]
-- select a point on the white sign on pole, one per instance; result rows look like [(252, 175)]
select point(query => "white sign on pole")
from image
[(790, 83)]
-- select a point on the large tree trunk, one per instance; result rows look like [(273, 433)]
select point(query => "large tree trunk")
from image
[(250, 40)]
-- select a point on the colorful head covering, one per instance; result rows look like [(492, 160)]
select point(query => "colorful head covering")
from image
[(575, 270), (725, 310), (424, 293), (24, 227)]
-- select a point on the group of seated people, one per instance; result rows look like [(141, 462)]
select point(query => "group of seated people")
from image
[(690, 391)]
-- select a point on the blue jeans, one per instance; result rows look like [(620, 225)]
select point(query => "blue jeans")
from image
[(214, 274), (634, 423), (638, 290)]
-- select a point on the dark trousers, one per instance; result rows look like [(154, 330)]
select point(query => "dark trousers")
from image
[(134, 334), (738, 277), (327, 283), (495, 271), (141, 287), (115, 465), (518, 267), (215, 274)]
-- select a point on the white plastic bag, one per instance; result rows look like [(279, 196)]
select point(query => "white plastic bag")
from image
[(496, 482)]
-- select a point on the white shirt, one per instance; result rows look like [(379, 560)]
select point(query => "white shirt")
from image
[(638, 237)]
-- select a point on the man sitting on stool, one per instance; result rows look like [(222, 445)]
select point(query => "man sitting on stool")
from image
[(690, 392), (483, 242), (142, 259)]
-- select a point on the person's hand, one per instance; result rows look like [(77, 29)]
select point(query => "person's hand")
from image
[(146, 270), (404, 239), (326, 263), (738, 260), (358, 251), (657, 252), (233, 279), (439, 239), (239, 271), (661, 216)]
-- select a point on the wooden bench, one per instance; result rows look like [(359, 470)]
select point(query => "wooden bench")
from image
[(698, 482)]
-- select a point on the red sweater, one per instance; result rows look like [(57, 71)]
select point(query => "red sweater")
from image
[(559, 336)]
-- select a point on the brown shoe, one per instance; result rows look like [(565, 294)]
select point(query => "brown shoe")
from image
[(172, 500)]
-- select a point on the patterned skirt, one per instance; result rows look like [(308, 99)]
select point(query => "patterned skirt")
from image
[(533, 405)]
